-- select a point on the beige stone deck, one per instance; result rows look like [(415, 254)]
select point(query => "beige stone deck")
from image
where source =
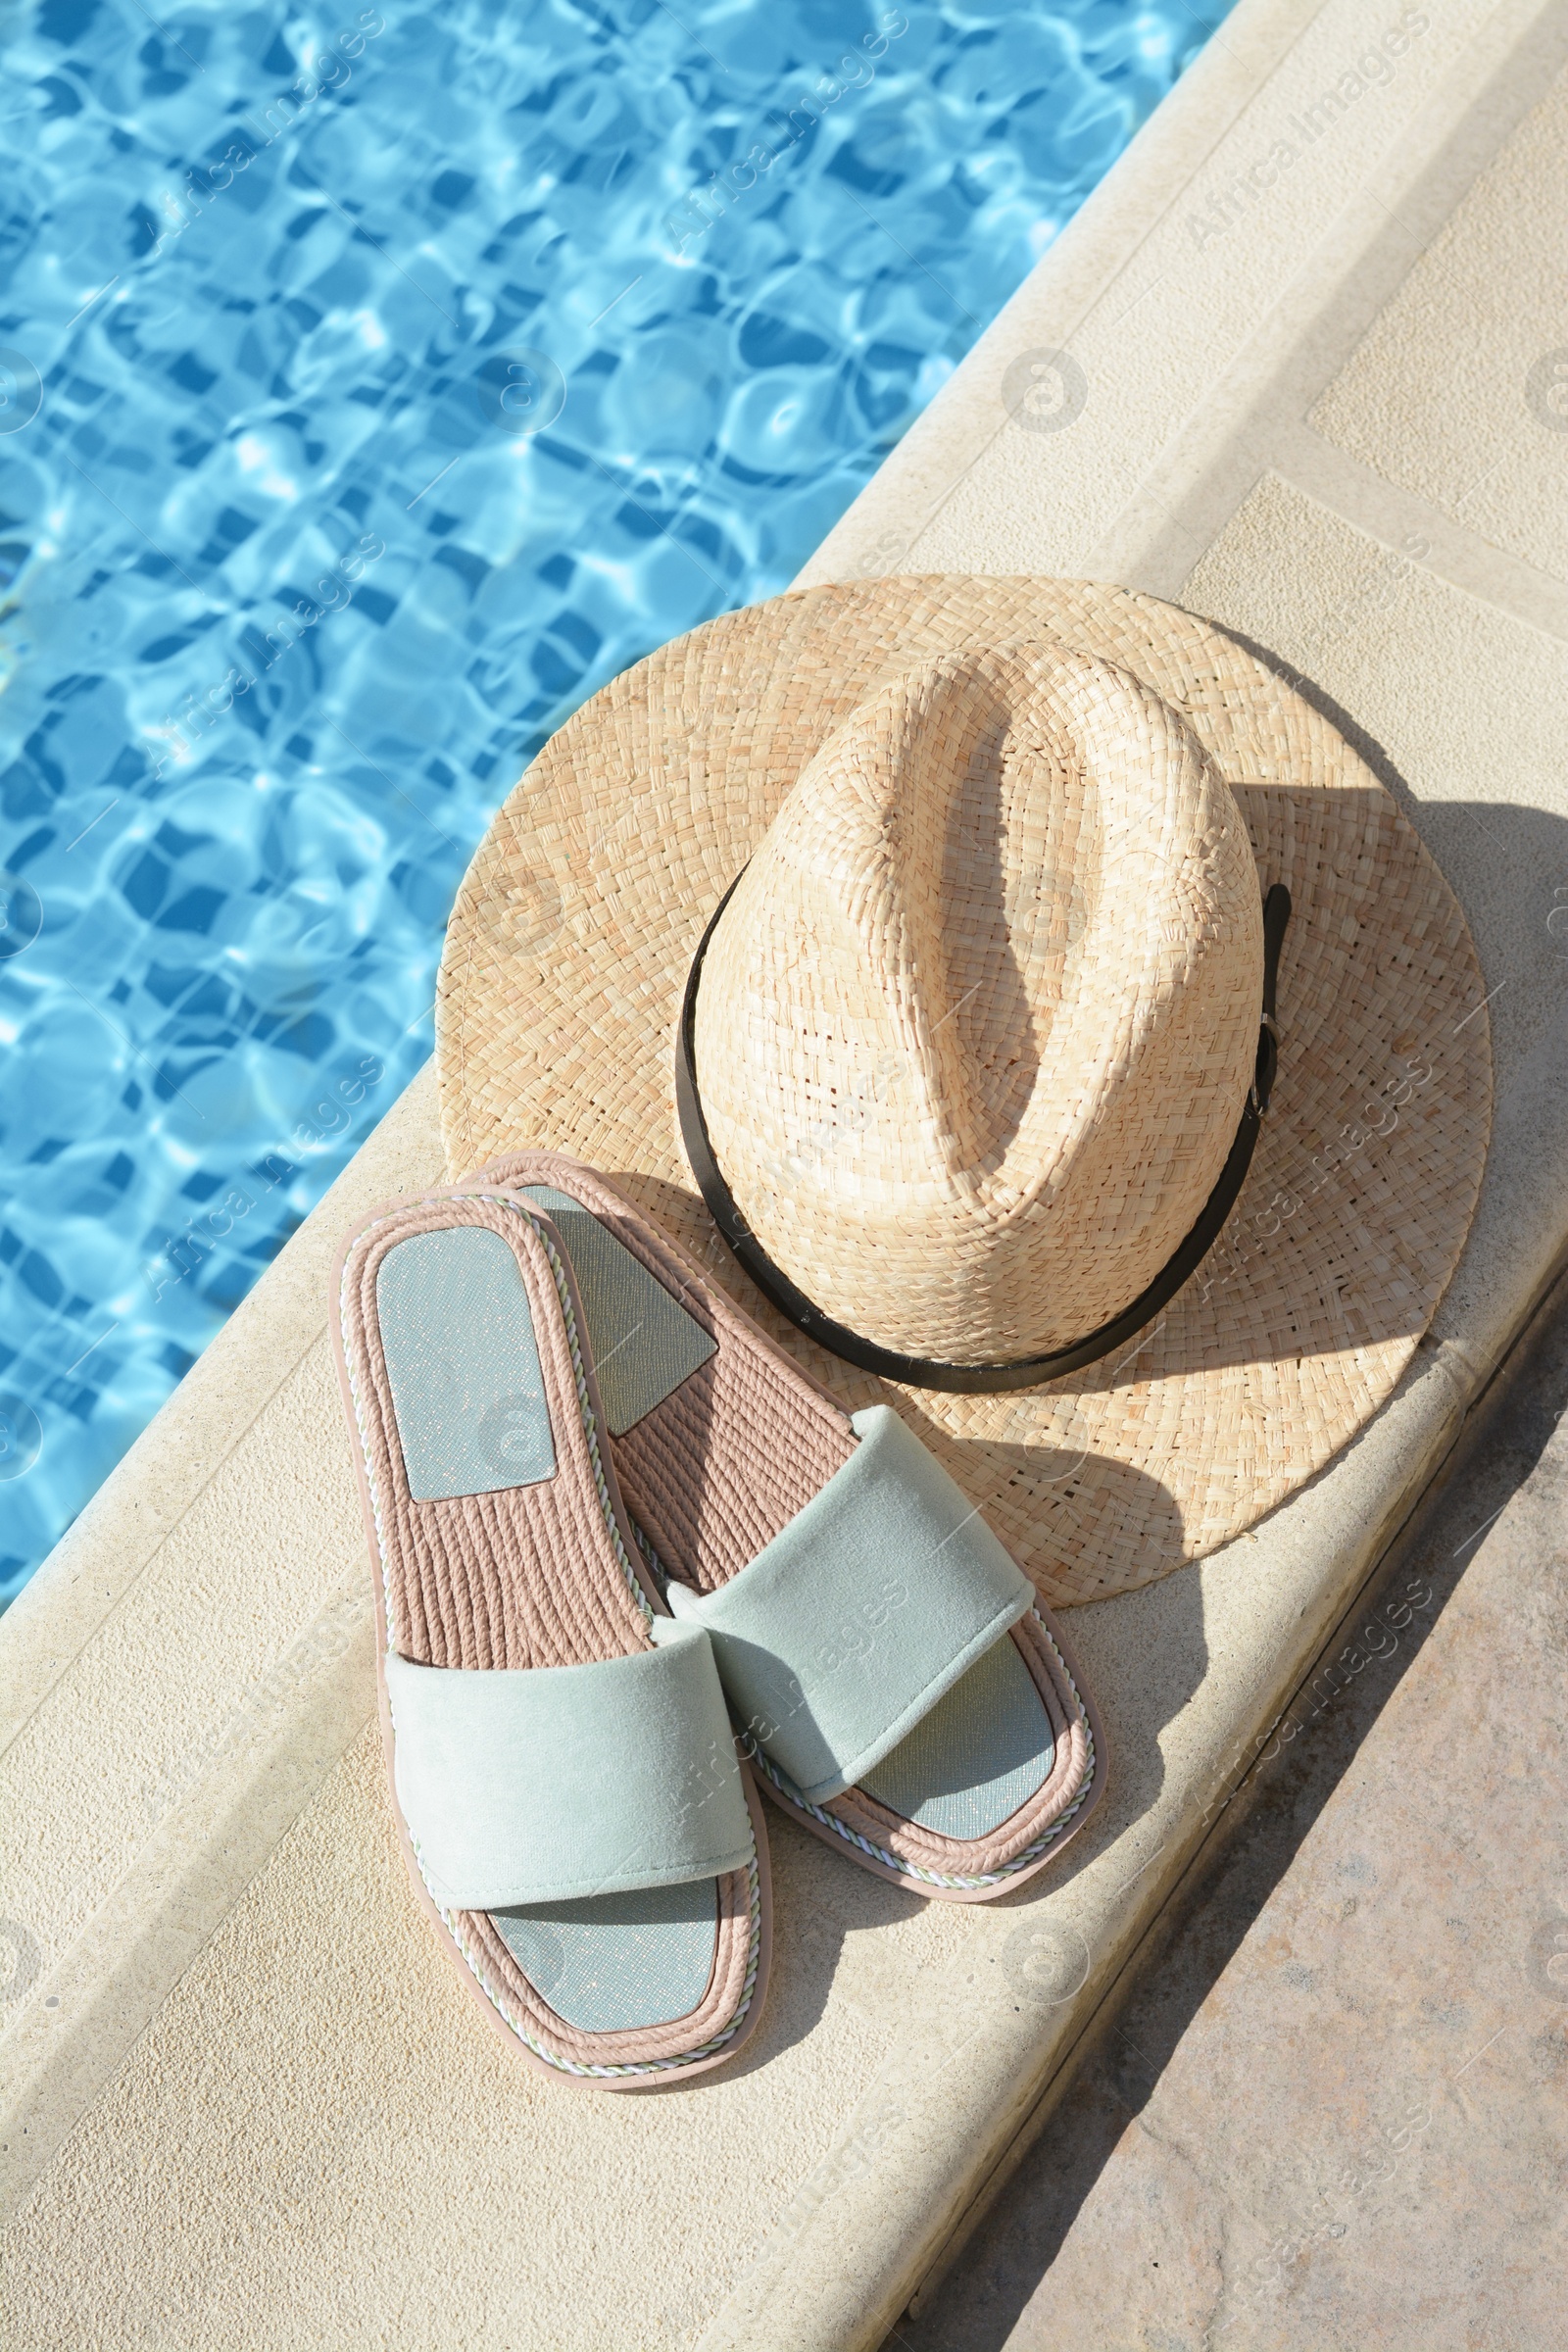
[(244, 2100)]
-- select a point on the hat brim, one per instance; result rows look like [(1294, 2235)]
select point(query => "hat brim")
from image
[(574, 929)]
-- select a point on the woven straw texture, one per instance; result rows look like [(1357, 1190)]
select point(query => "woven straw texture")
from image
[(573, 932), (978, 1027)]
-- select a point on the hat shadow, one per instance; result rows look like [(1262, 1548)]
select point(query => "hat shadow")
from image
[(1505, 862)]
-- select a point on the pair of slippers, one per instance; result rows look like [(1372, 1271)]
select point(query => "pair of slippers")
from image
[(633, 1564)]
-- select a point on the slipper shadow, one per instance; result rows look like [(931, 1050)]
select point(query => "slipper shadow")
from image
[(822, 1906), (1143, 1656)]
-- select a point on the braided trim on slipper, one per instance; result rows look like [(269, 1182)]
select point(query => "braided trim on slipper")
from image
[(913, 1870)]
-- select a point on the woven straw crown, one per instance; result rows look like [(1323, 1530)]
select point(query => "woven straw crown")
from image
[(976, 1028)]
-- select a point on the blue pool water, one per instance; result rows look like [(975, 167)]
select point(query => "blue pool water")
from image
[(374, 383)]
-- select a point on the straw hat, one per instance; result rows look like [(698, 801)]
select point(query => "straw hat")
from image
[(972, 874)]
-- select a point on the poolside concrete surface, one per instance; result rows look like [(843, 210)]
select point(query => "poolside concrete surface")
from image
[(239, 2082), (1329, 2110)]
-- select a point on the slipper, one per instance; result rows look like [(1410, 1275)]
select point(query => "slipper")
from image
[(565, 1779), (905, 1693)]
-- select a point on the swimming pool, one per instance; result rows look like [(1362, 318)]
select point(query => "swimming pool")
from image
[(374, 383)]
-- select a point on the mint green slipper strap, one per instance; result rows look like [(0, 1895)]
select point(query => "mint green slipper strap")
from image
[(850, 1626), (565, 1780)]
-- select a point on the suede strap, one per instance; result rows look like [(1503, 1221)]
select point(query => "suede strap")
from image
[(853, 1622), (558, 1781)]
